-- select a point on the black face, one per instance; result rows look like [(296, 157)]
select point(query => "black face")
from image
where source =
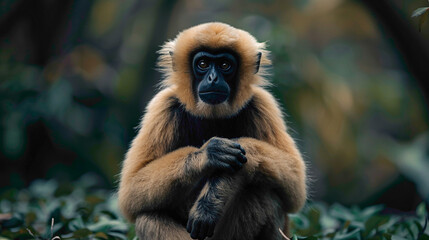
[(214, 75)]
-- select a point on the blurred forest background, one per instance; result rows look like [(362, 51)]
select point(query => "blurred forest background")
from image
[(352, 76)]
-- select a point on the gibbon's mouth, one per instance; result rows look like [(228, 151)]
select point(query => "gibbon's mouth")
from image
[(214, 92), (213, 97)]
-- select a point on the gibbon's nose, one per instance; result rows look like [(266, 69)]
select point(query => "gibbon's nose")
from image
[(212, 78)]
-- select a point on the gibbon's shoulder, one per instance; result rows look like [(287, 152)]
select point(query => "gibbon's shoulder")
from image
[(162, 101), (159, 108), (265, 102), (268, 109)]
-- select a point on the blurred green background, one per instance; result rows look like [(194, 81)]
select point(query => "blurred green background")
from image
[(75, 77)]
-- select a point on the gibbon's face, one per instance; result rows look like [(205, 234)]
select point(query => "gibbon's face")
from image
[(214, 76)]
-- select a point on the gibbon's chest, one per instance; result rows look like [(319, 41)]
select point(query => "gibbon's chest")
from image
[(195, 131)]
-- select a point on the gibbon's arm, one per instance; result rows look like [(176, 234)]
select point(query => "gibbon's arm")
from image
[(153, 178), (275, 155), (149, 176)]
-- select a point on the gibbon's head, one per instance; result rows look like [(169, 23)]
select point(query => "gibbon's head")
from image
[(212, 67)]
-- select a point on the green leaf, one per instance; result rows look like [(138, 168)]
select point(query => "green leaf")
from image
[(371, 211), (424, 237), (411, 161), (387, 236), (76, 224), (105, 225), (341, 212), (117, 235), (374, 222), (30, 217), (390, 224), (93, 199), (12, 223), (396, 237), (419, 11), (355, 234), (300, 221), (108, 213), (311, 238), (81, 233), (421, 210), (101, 235)]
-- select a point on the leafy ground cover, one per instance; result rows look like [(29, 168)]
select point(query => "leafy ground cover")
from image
[(81, 210)]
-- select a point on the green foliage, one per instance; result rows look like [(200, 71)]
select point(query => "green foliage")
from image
[(319, 221), (49, 210)]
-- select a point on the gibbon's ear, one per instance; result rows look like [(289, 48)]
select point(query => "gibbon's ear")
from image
[(258, 61), (172, 62)]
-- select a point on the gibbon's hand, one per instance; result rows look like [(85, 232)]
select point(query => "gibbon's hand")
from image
[(224, 154), (201, 224)]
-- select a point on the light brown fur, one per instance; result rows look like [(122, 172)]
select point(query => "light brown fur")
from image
[(158, 178)]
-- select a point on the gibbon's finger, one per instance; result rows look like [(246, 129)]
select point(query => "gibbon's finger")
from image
[(238, 154), (231, 161), (203, 230), (210, 231), (238, 146), (189, 226), (242, 150), (232, 151), (232, 155), (242, 158), (196, 226)]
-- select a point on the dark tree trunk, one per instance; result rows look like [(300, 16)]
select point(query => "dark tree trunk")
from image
[(148, 75), (51, 27), (412, 48)]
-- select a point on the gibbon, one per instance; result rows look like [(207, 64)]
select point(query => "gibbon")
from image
[(212, 158)]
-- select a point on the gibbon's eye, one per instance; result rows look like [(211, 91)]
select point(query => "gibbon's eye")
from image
[(225, 66), (202, 64)]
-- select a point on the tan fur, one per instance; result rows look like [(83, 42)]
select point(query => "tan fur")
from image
[(155, 176)]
